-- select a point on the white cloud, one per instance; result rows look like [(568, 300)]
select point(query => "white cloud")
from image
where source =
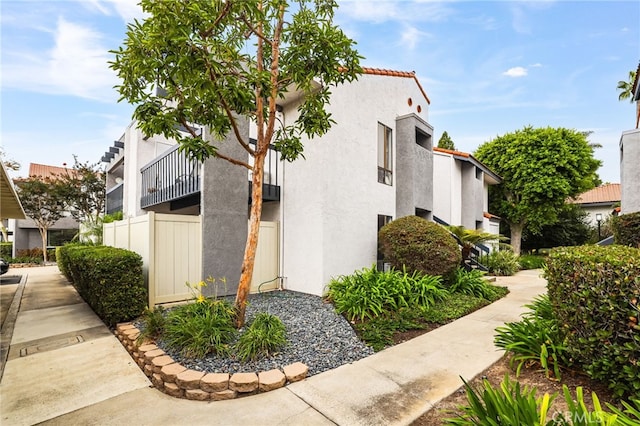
[(396, 10), (411, 36), (515, 72), (76, 65), (536, 65), (128, 10)]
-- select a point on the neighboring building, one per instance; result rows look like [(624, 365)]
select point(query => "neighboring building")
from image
[(25, 232), (375, 165), (630, 159), (461, 193), (10, 207), (601, 201)]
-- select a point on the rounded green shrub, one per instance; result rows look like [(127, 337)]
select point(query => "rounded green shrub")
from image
[(419, 246)]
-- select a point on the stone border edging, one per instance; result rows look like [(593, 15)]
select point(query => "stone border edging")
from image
[(181, 382)]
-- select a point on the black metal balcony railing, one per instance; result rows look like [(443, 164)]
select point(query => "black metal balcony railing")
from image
[(174, 176), (170, 177), (114, 199)]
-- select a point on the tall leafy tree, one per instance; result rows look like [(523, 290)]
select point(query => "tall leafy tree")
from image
[(446, 142), (540, 168), (83, 187), (42, 201), (219, 60)]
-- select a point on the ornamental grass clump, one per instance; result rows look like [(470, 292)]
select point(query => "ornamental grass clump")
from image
[(264, 336), (199, 328)]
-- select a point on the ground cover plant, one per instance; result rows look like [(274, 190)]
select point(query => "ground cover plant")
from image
[(532, 261), (386, 307)]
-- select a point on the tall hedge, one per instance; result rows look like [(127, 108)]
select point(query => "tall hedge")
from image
[(626, 229), (109, 279), (595, 292), (419, 245)]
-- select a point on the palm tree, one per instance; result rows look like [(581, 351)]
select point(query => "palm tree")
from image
[(626, 87), (469, 238), (626, 92)]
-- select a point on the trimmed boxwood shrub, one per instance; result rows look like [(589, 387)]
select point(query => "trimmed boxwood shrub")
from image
[(418, 245), (6, 249), (109, 279), (592, 290), (626, 229)]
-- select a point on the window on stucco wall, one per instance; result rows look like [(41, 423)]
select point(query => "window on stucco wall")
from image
[(385, 155)]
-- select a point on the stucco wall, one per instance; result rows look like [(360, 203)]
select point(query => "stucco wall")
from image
[(224, 206), (630, 171), (332, 199)]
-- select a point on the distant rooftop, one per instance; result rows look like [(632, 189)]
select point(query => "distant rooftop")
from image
[(608, 193), (45, 171)]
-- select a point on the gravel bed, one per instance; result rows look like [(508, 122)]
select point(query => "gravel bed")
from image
[(317, 336)]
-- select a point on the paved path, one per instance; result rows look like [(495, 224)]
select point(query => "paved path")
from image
[(74, 371)]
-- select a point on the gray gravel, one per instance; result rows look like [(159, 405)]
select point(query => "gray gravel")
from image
[(316, 335)]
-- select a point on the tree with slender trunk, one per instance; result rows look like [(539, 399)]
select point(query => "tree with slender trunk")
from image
[(83, 188), (43, 202), (540, 168), (210, 62)]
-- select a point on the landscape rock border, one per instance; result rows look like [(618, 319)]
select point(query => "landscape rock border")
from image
[(176, 380)]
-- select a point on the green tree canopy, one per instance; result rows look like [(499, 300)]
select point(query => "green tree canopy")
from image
[(42, 201), (83, 187), (208, 62), (540, 168), (446, 142)]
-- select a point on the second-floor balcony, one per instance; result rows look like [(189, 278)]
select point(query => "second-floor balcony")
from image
[(169, 177), (174, 176)]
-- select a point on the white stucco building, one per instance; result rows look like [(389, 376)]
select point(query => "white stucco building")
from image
[(376, 164), (461, 191)]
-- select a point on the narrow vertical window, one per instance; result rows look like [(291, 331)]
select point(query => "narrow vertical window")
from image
[(385, 159), (382, 221)]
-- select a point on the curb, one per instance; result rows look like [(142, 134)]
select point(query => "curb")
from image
[(178, 381)]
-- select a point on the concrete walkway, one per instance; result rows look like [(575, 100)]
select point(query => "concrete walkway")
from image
[(65, 367)]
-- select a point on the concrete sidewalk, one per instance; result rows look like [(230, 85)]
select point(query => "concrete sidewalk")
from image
[(74, 371)]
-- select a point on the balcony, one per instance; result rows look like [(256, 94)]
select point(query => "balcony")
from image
[(175, 178), (170, 177), (114, 199)]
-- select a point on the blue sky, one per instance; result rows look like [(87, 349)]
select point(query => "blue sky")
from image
[(489, 68)]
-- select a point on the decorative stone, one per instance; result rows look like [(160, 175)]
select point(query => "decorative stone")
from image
[(141, 362), (270, 380), (244, 382), (189, 379), (296, 371), (148, 370), (147, 348), (170, 371), (148, 356), (173, 390), (124, 326), (160, 361), (197, 395), (223, 395), (215, 382), (156, 379), (131, 332)]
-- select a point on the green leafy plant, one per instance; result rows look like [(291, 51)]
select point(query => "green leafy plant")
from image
[(154, 322), (200, 328), (594, 292), (508, 405), (453, 307), (503, 262), (531, 261), (265, 335), (473, 283), (629, 415), (626, 229), (536, 338), (416, 244)]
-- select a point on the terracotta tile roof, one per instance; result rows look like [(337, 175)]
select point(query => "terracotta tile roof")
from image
[(450, 151), (46, 171), (608, 193), (393, 73), (491, 216)]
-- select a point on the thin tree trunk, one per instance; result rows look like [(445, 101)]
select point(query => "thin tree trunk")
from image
[(516, 236), (252, 238), (43, 235)]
